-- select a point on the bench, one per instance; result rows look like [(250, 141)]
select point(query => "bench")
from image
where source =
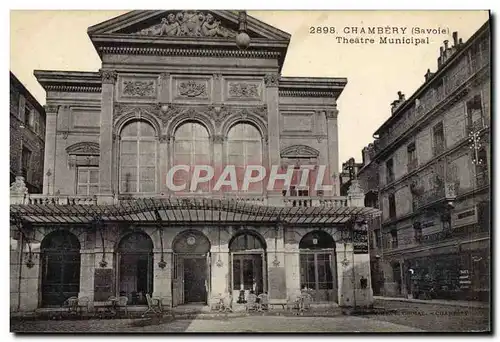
[(277, 303)]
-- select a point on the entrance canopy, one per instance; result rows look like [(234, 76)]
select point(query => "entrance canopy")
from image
[(185, 210)]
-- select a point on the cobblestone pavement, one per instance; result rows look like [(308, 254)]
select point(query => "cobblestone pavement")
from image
[(434, 317), (229, 325), (391, 316)]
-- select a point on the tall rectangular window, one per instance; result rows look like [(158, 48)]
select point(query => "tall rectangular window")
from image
[(417, 227), (394, 238), (87, 180), (412, 157), (392, 206), (439, 141), (26, 162), (474, 114), (376, 238), (389, 165)]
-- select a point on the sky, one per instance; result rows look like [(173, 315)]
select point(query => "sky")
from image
[(57, 40)]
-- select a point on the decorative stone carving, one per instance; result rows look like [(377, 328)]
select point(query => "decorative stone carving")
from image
[(192, 89), (51, 109), (64, 134), (272, 80), (331, 114), (164, 138), (299, 151), (189, 24), (139, 88), (18, 187), (355, 189), (218, 139), (217, 76), (108, 76), (218, 113), (121, 109), (85, 148), (244, 90), (166, 115)]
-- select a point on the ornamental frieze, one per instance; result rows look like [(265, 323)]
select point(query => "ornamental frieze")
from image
[(139, 88), (121, 109), (192, 89), (108, 76), (188, 24), (244, 90), (272, 80)]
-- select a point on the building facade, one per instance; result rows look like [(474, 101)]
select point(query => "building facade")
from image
[(433, 160), (174, 89), (27, 136)]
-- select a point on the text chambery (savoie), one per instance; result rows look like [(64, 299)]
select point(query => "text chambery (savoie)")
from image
[(394, 30)]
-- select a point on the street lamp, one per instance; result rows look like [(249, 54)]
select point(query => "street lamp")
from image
[(242, 38)]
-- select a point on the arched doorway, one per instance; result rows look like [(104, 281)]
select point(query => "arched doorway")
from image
[(135, 271), (248, 264), (60, 253), (191, 274), (318, 266)]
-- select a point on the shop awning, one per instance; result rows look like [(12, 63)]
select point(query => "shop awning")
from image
[(184, 210)]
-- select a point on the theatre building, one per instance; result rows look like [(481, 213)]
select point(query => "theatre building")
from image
[(183, 88)]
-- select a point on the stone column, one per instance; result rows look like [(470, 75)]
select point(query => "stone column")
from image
[(220, 282), (51, 112), (162, 277), (345, 274), (276, 270), (29, 298), (164, 163), (363, 291), (218, 157), (87, 269), (292, 266), (333, 147), (273, 126), (106, 136)]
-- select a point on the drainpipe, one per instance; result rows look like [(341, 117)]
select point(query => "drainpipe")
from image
[(21, 243)]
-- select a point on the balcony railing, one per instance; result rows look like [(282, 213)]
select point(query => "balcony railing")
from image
[(314, 201), (428, 197), (431, 99)]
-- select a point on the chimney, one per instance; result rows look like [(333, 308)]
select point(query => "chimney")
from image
[(455, 38), (460, 41)]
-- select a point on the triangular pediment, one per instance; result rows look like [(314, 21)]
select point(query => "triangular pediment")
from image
[(185, 24)]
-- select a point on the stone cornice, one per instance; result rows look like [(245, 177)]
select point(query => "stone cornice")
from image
[(75, 89), (164, 51), (306, 93)]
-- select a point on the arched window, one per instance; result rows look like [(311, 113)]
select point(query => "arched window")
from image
[(248, 263), (192, 147), (60, 253), (244, 148), (318, 266), (135, 273), (138, 157)]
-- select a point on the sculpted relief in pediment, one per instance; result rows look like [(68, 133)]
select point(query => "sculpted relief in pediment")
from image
[(188, 24)]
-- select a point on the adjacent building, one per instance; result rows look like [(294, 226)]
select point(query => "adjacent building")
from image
[(432, 157), (27, 136), (181, 88)]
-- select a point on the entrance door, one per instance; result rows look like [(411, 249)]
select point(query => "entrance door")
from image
[(195, 280)]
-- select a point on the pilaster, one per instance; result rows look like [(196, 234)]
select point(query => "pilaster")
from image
[(333, 146), (272, 98), (51, 112), (162, 278), (165, 87), (106, 135)]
